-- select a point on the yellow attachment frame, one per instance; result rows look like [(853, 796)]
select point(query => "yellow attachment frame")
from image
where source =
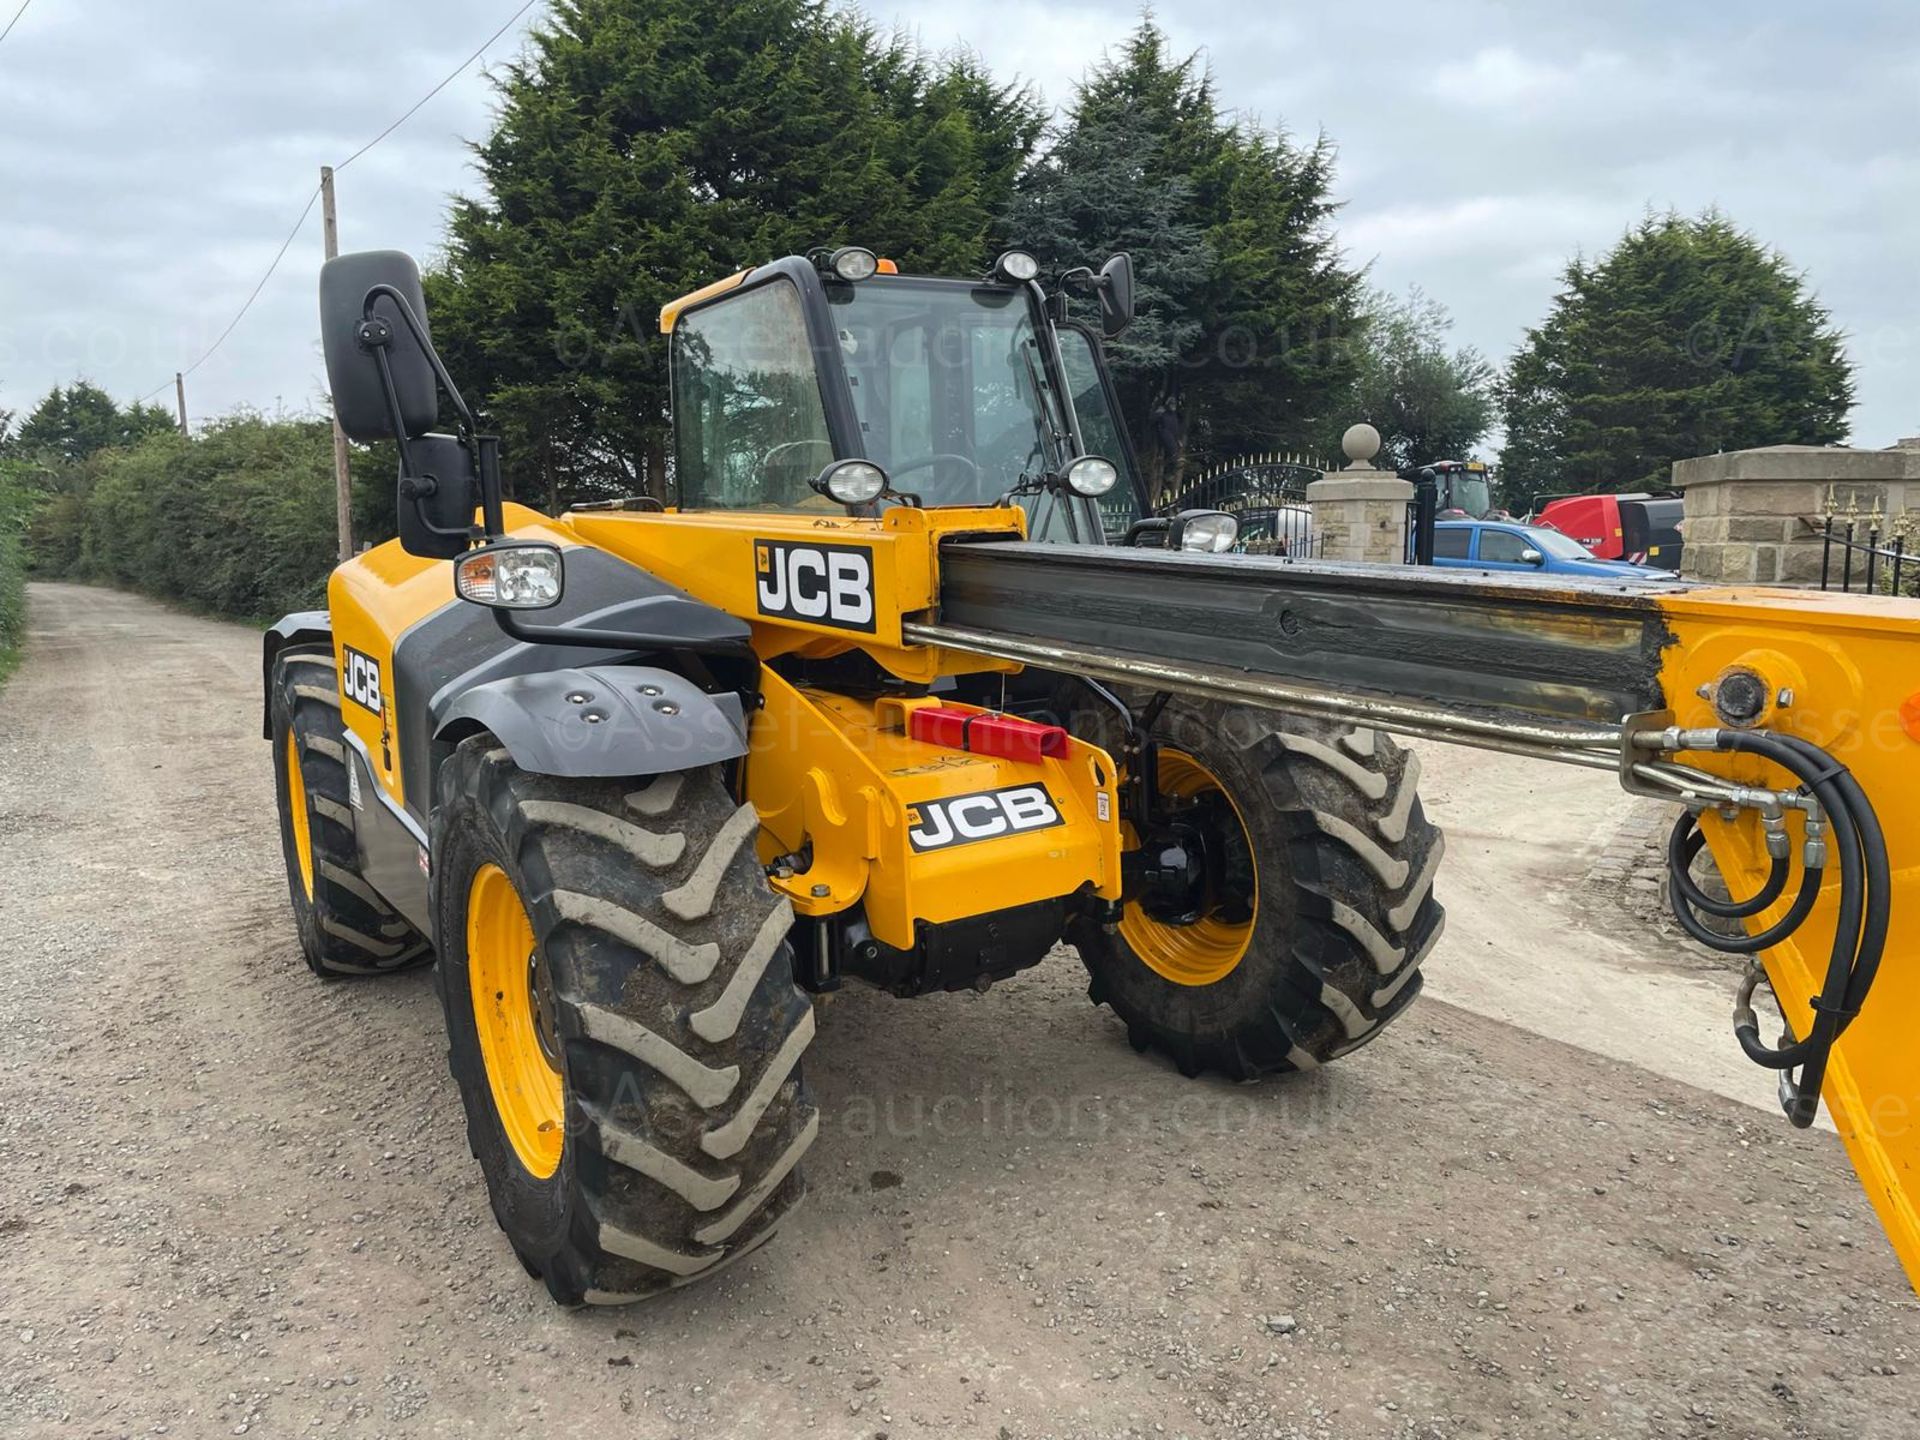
[(1843, 672)]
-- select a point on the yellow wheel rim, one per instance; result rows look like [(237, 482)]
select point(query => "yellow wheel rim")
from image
[(297, 814), (513, 1015), (1210, 949)]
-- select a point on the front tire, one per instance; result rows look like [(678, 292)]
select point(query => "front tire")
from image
[(1324, 910), (635, 1099)]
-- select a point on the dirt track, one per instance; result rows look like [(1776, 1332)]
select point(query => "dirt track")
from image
[(233, 1200)]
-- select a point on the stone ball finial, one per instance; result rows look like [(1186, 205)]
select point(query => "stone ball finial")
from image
[(1361, 442)]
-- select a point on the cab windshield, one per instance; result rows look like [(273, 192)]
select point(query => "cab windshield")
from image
[(949, 385), (948, 382), (1468, 492)]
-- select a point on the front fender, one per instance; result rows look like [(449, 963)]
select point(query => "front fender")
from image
[(303, 627), (601, 720)]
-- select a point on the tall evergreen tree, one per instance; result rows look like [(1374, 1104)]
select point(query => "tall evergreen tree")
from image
[(642, 151), (78, 421), (1247, 306), (1688, 337), (1428, 401)]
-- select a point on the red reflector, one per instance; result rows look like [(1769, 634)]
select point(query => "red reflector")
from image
[(985, 734)]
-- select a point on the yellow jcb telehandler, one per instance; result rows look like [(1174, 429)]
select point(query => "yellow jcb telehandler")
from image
[(901, 687)]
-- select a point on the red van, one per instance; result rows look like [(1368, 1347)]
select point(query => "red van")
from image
[(1641, 528)]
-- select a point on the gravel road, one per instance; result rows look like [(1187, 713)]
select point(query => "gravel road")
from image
[(236, 1201)]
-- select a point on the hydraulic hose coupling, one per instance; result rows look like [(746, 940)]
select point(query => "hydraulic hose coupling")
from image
[(1774, 821), (1675, 738), (1813, 852)]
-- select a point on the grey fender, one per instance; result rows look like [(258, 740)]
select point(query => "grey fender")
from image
[(600, 720), (303, 627)]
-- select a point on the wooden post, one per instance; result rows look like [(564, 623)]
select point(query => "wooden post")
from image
[(180, 396), (342, 479)]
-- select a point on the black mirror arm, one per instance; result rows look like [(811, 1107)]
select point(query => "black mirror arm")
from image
[(376, 336), (419, 333)]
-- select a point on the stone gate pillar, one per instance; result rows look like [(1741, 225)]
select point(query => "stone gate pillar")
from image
[(1360, 513)]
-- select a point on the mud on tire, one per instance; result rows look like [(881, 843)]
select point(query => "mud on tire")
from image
[(1344, 859), (346, 929), (679, 1027)]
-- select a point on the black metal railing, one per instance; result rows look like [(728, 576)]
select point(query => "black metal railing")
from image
[(1868, 556)]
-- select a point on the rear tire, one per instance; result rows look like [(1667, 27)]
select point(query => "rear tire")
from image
[(1343, 860), (346, 929), (664, 980)]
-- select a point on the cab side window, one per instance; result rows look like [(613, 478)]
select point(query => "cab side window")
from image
[(750, 426), (1502, 547)]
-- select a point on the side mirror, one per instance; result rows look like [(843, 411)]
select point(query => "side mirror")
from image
[(437, 501), (1205, 532), (353, 373), (1532, 557), (1116, 295)]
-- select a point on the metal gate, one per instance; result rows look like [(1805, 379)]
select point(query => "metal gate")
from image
[(1267, 494)]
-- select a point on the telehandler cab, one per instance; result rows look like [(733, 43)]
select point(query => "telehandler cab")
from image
[(870, 699)]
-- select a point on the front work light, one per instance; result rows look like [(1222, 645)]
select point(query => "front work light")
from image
[(513, 575), (1016, 267), (1092, 476), (853, 262), (852, 482)]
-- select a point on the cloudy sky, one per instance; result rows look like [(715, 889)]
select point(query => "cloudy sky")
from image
[(153, 157)]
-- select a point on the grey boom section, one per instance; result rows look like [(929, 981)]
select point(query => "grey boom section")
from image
[(1567, 661)]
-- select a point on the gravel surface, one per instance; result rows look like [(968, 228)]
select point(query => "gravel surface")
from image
[(236, 1201)]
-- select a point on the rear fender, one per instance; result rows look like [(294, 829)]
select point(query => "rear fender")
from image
[(303, 627), (601, 720)]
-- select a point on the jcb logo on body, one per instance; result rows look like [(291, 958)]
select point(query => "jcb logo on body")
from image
[(823, 584), (984, 815), (360, 679)]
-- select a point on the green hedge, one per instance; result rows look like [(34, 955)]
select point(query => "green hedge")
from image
[(238, 521), (14, 510)]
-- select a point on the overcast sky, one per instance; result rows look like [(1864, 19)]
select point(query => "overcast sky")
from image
[(153, 157)]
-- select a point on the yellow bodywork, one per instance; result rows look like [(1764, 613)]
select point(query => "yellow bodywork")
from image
[(1850, 667), (841, 773), (372, 599), (836, 776)]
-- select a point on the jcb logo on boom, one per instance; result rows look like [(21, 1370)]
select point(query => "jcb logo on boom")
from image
[(984, 815), (824, 584), (360, 679)]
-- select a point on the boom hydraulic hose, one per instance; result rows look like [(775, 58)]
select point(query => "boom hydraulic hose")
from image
[(1833, 798)]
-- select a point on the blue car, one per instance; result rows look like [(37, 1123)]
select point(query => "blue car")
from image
[(1509, 545)]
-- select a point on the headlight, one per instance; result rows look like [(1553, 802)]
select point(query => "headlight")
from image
[(1210, 532), (853, 262), (1016, 266), (1091, 476), (511, 576), (852, 482)]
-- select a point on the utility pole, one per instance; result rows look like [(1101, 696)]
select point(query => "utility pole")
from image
[(342, 480), (180, 394)]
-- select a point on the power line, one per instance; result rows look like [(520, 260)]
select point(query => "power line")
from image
[(312, 199), (23, 10), (279, 255), (451, 76)]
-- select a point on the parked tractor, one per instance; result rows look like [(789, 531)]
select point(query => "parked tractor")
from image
[(869, 699)]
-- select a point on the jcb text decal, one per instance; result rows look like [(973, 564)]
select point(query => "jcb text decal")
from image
[(822, 584), (985, 815), (360, 679)]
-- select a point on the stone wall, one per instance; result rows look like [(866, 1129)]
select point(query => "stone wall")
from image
[(1753, 515)]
